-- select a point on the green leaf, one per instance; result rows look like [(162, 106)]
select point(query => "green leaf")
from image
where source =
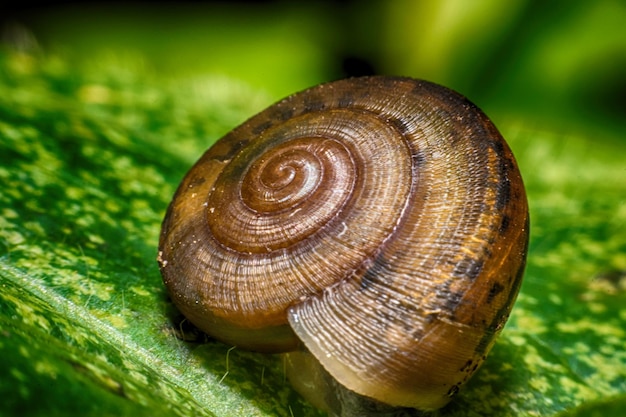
[(89, 164), (90, 157)]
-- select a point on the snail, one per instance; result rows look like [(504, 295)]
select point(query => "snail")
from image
[(375, 227)]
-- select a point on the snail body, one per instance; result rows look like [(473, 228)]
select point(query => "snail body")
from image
[(377, 224)]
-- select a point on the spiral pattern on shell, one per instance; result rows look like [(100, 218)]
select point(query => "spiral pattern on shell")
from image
[(380, 222)]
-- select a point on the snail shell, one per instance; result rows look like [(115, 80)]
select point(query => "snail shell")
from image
[(380, 223)]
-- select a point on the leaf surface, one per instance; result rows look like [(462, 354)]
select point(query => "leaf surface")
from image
[(89, 161)]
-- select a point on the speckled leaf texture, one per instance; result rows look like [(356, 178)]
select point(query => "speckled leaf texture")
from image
[(89, 160)]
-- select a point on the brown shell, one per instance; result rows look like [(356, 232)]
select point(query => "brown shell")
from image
[(381, 222)]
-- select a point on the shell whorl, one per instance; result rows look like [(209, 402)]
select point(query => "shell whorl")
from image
[(380, 222)]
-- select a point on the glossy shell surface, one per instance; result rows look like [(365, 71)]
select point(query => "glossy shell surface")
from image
[(379, 222)]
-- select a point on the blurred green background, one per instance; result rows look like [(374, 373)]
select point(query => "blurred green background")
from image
[(560, 63)]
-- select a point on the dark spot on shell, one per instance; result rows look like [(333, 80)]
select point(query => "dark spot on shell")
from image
[(196, 181), (417, 333), (448, 299), (225, 150), (314, 104), (504, 225), (467, 365), (485, 341), (453, 300), (501, 316), (258, 129), (495, 289), (504, 193), (399, 125), (368, 279), (373, 275), (419, 159), (431, 316), (283, 113), (346, 100), (373, 272), (474, 268), (498, 146), (468, 267), (453, 390)]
